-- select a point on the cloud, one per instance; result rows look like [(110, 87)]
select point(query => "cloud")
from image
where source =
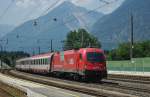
[(111, 7), (93, 4), (43, 4), (89, 4), (25, 3), (32, 9)]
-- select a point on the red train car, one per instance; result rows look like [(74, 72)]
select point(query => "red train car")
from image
[(87, 63)]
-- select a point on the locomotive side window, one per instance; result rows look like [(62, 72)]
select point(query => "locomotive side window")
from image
[(62, 56), (95, 57), (80, 56)]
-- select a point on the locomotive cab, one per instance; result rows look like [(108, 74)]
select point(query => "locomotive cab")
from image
[(94, 62)]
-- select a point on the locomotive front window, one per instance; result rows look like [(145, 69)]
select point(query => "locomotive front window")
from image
[(95, 57)]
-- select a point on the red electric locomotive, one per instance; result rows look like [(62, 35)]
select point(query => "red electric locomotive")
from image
[(87, 63)]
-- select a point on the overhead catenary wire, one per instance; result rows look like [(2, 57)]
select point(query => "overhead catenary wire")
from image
[(51, 6), (6, 10), (73, 19)]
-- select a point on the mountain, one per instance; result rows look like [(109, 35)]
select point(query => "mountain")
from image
[(115, 28), (4, 29), (36, 34)]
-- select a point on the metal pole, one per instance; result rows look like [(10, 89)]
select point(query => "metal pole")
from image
[(39, 49), (33, 53), (131, 42), (51, 45)]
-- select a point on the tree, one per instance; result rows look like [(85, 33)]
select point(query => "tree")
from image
[(11, 57), (141, 49), (80, 39)]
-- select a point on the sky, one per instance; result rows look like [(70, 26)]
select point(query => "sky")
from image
[(20, 11)]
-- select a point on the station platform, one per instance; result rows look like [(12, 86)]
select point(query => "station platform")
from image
[(131, 73), (34, 89)]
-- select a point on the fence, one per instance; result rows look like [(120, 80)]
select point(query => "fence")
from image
[(137, 64)]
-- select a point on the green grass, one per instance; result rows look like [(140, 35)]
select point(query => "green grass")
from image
[(139, 64)]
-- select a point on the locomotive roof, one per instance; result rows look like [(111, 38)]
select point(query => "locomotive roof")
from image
[(91, 49)]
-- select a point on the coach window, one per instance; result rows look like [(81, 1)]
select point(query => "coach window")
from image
[(44, 61), (38, 61), (41, 61), (34, 62)]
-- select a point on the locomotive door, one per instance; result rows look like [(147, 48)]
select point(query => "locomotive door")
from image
[(77, 62)]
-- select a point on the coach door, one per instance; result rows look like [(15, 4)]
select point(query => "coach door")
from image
[(50, 62)]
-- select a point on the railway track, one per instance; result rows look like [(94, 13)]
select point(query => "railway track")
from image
[(129, 78), (141, 90), (123, 88)]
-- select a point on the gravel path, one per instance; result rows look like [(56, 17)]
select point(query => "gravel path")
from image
[(4, 93)]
